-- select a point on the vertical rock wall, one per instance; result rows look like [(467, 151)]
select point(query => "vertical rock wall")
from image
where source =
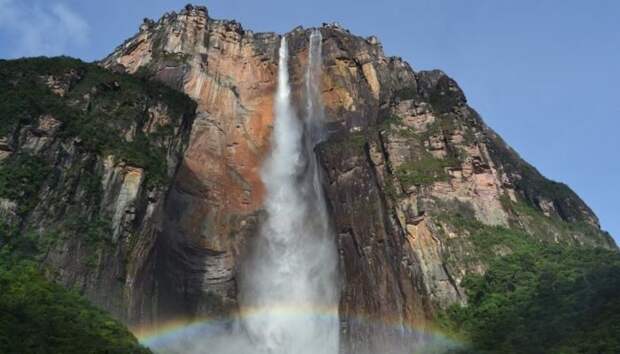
[(405, 154)]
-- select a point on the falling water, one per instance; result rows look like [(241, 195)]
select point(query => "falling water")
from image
[(288, 290), (294, 262)]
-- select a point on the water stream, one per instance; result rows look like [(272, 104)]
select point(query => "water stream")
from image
[(291, 284)]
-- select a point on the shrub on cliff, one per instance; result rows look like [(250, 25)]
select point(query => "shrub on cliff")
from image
[(99, 108), (37, 316), (545, 300)]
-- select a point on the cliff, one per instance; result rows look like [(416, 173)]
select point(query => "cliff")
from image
[(87, 159), (421, 191)]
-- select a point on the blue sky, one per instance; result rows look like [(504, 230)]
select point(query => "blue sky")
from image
[(544, 73)]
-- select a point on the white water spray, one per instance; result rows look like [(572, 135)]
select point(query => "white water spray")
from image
[(289, 291), (291, 280)]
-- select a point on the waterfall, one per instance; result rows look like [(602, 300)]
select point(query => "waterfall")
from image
[(288, 286), (290, 282)]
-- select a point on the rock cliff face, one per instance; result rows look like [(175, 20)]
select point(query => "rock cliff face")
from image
[(214, 203), (405, 158), (88, 156), (405, 163)]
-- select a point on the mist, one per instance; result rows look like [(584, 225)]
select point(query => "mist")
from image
[(289, 286), (294, 263), (289, 291)]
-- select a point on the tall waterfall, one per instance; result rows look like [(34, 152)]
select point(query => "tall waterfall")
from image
[(289, 291), (290, 282)]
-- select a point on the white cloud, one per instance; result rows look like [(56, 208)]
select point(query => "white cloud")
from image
[(49, 28)]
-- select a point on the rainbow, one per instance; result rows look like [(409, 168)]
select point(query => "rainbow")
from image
[(204, 329), (175, 328)]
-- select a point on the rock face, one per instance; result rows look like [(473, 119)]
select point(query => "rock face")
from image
[(405, 153), (406, 158), (83, 184), (213, 205)]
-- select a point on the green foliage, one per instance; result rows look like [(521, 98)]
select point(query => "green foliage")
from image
[(486, 237), (444, 124), (478, 242), (389, 189), (23, 97), (445, 96), (34, 244), (350, 141), (426, 170), (37, 316), (141, 153), (442, 102), (535, 296), (548, 227), (357, 140), (26, 244), (173, 59), (93, 189), (394, 124), (98, 108), (391, 119), (21, 178), (406, 93), (93, 231), (533, 186), (540, 298)]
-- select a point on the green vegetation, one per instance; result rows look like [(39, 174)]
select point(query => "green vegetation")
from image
[(174, 59), (534, 186), (542, 300), (424, 171), (23, 97), (27, 245), (535, 296), (93, 190), (447, 124), (21, 177), (95, 235), (40, 317), (406, 93), (98, 108), (479, 242), (394, 124), (548, 227), (391, 119), (443, 124), (357, 140), (486, 237), (444, 97), (390, 190), (349, 141)]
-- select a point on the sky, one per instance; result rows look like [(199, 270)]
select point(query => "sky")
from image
[(544, 74)]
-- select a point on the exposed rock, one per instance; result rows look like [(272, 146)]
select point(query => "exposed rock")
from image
[(393, 250), (96, 214), (231, 75), (42, 135), (5, 148), (121, 186), (60, 85), (8, 211), (404, 159)]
